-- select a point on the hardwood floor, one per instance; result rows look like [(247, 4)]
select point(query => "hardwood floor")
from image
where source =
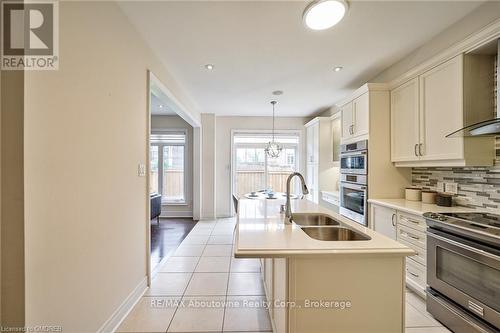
[(167, 236)]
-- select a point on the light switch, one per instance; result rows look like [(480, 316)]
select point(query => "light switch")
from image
[(141, 170)]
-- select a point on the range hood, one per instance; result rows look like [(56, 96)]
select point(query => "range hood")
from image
[(489, 127)]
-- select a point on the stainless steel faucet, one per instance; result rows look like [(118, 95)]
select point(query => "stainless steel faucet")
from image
[(305, 190)]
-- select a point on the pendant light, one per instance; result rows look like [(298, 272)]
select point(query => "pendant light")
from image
[(273, 149)]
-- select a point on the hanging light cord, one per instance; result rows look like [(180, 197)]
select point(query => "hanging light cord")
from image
[(273, 103)]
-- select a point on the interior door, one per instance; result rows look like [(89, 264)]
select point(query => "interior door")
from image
[(347, 120), (405, 122), (441, 102)]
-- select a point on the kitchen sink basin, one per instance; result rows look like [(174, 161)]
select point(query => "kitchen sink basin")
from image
[(334, 233), (313, 220)]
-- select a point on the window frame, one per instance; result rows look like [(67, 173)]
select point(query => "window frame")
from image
[(160, 146), (234, 133)]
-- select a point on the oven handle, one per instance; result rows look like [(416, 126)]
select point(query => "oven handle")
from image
[(353, 186), (464, 246), (353, 153)]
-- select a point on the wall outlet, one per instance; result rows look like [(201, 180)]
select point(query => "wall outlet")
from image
[(451, 188), (141, 170), (440, 187)]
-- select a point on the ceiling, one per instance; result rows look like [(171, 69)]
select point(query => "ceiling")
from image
[(261, 46), (159, 107)]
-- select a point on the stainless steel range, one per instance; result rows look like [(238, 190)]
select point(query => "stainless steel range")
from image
[(463, 270)]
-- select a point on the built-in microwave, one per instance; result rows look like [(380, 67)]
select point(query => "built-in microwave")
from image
[(354, 158)]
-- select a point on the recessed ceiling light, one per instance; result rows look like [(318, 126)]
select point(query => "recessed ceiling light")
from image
[(161, 106), (278, 92), (209, 67), (324, 14), (338, 68)]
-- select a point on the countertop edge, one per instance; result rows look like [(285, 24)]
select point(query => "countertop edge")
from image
[(384, 203), (266, 253)]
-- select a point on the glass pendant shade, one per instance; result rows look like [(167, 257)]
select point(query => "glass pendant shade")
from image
[(273, 149)]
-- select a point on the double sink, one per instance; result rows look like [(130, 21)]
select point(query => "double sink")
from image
[(325, 228)]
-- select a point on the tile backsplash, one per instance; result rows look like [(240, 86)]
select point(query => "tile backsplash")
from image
[(478, 187)]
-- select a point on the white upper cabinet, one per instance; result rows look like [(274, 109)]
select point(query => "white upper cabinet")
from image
[(426, 109), (405, 122), (361, 107), (347, 115), (312, 133), (355, 117), (441, 113)]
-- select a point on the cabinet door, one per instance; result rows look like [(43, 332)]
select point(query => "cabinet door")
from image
[(315, 146), (441, 102), (268, 277), (405, 122), (309, 143), (347, 120), (361, 107), (384, 220), (312, 182), (335, 128), (280, 295)]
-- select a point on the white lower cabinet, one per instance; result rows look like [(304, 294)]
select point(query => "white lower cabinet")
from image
[(409, 230), (275, 281), (279, 311), (383, 220)]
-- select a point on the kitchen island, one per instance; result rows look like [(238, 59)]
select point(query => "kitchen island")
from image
[(323, 286)]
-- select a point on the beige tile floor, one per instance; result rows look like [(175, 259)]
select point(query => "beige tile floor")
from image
[(202, 288)]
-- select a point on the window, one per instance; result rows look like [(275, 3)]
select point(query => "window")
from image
[(167, 166), (253, 170)]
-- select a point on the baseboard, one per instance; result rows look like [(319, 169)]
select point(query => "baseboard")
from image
[(175, 214), (124, 309)]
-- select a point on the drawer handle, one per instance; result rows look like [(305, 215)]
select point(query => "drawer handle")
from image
[(392, 220), (414, 222), (413, 274), (404, 233)]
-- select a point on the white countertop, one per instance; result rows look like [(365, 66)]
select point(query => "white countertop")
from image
[(262, 232), (417, 207)]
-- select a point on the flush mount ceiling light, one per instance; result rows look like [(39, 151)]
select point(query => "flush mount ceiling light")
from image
[(209, 67), (278, 92), (324, 14), (338, 68)]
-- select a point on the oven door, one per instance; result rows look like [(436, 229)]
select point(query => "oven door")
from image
[(466, 272), (353, 202), (355, 162)]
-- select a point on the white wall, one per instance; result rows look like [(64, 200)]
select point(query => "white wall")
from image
[(479, 18), (209, 184), (223, 151), (176, 122), (86, 126)]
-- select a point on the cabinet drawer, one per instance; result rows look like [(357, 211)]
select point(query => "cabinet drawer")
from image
[(412, 221), (420, 257), (416, 273), (412, 236)]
